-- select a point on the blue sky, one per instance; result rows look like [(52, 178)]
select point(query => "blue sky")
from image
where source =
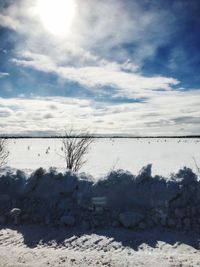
[(116, 67)]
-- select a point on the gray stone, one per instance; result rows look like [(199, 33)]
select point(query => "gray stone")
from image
[(68, 220), (145, 173), (2, 220), (4, 198), (142, 225), (186, 223), (150, 223), (15, 214), (179, 213), (163, 221), (171, 222), (115, 224), (85, 225), (130, 219)]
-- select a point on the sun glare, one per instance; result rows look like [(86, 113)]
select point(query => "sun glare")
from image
[(57, 15)]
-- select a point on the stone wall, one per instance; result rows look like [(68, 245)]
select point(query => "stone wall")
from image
[(142, 201)]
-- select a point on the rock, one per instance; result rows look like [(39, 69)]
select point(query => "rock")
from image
[(115, 224), (171, 222), (187, 223), (96, 223), (150, 223), (24, 217), (179, 213), (85, 225), (163, 221), (4, 198), (130, 219), (21, 175), (15, 214), (2, 220), (179, 225), (68, 220), (193, 211), (142, 225), (145, 173), (47, 220)]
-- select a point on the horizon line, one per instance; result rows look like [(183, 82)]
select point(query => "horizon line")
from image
[(7, 136)]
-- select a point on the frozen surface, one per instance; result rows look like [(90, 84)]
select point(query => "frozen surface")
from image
[(166, 155), (43, 246)]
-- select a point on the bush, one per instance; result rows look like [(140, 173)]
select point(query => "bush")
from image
[(75, 147), (3, 152)]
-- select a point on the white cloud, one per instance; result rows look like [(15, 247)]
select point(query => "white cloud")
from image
[(126, 84), (98, 27), (86, 54), (4, 74), (93, 55), (8, 22), (176, 113)]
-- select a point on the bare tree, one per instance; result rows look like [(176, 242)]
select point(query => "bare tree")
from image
[(75, 147), (3, 152)]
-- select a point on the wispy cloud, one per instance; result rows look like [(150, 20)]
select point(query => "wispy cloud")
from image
[(8, 22), (4, 74), (92, 58), (162, 114), (127, 84), (105, 51)]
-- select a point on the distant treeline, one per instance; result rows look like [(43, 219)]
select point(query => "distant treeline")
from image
[(96, 136)]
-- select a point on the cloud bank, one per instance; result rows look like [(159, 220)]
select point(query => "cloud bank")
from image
[(104, 53), (168, 113)]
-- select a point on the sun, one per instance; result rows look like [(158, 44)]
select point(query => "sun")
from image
[(57, 15)]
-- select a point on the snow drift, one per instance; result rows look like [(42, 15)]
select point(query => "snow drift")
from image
[(121, 199)]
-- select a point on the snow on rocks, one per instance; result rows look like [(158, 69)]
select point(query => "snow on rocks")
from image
[(68, 220), (129, 201), (145, 173), (2, 220), (15, 214), (130, 219)]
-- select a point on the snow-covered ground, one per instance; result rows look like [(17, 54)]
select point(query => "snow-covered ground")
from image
[(166, 155), (43, 246)]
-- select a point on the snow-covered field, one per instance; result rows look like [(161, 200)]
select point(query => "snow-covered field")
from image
[(166, 155), (46, 245)]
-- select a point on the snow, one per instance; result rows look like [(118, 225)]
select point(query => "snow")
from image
[(166, 155), (43, 246), (147, 220)]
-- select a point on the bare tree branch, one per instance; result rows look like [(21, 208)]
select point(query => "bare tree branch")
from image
[(75, 147), (3, 152)]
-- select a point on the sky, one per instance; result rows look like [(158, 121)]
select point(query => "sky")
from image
[(128, 67)]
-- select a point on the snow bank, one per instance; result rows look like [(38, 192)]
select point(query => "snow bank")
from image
[(120, 199)]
